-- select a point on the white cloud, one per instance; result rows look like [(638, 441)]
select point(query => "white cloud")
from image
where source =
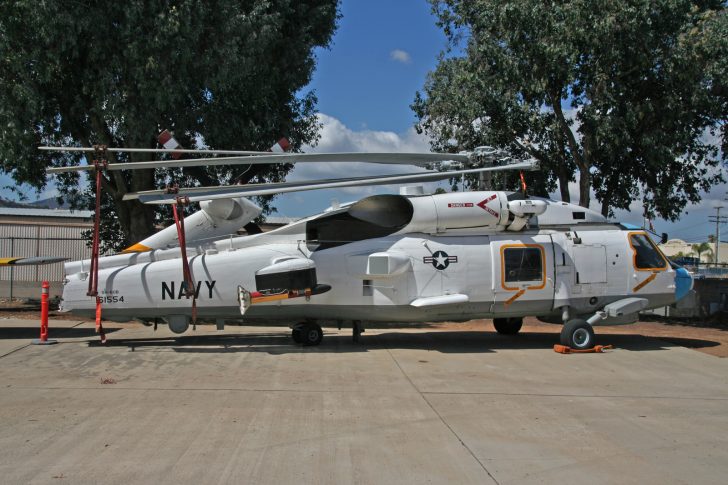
[(400, 56), (337, 137)]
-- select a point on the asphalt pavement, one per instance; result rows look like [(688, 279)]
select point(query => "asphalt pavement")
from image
[(425, 405)]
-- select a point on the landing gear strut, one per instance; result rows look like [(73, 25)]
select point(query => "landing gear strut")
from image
[(308, 333), (357, 329)]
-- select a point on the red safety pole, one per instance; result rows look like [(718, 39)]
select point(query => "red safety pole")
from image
[(44, 311), (43, 340), (99, 326)]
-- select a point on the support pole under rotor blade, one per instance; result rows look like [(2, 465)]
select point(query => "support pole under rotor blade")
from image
[(524, 187), (99, 163), (179, 222)]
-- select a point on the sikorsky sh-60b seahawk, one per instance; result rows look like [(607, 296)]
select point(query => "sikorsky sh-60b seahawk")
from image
[(399, 259)]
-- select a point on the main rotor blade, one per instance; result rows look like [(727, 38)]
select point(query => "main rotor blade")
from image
[(385, 158), (209, 193), (154, 150), (191, 191)]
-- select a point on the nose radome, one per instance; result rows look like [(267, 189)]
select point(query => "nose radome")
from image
[(683, 283)]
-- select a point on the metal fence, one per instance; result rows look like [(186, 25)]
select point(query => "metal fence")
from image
[(711, 272), (708, 270), (73, 248)]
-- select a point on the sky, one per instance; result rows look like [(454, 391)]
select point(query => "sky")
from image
[(365, 83)]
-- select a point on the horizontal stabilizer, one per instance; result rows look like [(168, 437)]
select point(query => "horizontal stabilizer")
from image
[(36, 260)]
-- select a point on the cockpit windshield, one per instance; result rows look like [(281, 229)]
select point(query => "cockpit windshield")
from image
[(646, 255)]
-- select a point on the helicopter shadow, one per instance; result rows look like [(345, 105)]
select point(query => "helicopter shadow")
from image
[(446, 342), (478, 342), (34, 332)]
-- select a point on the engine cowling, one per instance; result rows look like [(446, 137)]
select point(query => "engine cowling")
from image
[(214, 219), (458, 210)]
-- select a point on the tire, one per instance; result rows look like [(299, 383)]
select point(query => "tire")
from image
[(577, 334), (311, 334), (296, 335), (508, 326)]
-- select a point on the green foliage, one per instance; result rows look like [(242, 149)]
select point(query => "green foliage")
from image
[(702, 248), (624, 94), (226, 74)]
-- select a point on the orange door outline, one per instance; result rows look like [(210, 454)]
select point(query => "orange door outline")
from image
[(521, 291)]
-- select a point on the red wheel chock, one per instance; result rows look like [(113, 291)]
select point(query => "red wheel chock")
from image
[(597, 349)]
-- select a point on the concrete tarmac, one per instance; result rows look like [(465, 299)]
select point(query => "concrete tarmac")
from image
[(246, 405)]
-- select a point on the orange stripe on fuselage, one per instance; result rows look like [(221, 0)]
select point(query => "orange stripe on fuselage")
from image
[(644, 282), (514, 297)]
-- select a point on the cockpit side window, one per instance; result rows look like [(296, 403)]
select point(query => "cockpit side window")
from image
[(646, 255)]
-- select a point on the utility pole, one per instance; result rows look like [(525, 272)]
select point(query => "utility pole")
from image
[(718, 220)]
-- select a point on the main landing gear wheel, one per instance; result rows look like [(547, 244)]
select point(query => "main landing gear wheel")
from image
[(311, 334), (296, 335), (577, 334), (508, 326)]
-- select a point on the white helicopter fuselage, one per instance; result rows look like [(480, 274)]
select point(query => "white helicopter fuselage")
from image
[(400, 260)]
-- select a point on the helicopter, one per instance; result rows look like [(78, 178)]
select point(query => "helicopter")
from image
[(391, 258)]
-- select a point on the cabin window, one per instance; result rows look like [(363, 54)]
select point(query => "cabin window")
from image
[(523, 264), (646, 255)]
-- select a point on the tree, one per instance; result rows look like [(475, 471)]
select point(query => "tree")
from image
[(626, 94), (702, 248), (219, 73)]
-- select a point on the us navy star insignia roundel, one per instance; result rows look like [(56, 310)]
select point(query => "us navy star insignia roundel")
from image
[(440, 260)]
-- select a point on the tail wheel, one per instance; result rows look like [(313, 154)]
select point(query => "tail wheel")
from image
[(577, 334), (508, 326)]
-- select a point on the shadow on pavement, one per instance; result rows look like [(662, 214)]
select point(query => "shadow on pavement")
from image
[(438, 341), (34, 332)]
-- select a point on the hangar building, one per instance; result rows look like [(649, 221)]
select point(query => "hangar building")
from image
[(39, 232)]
